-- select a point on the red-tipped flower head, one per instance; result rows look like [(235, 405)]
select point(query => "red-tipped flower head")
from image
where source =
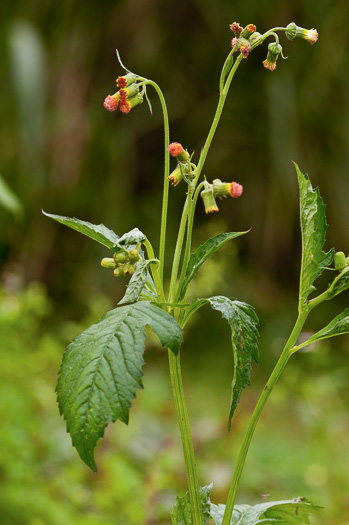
[(126, 80), (223, 189), (293, 31), (126, 104), (111, 103), (247, 32), (176, 150), (274, 50)]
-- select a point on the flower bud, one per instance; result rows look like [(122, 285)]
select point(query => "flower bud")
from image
[(111, 102), (209, 200), (118, 272), (128, 269), (133, 256), (176, 176), (339, 261), (274, 51), (236, 28), (120, 257), (255, 36), (176, 150), (128, 103), (108, 262), (129, 92), (126, 80), (222, 189), (247, 32), (293, 31)]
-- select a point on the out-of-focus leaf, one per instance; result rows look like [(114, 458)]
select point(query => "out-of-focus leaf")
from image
[(102, 368), (181, 513), (8, 199)]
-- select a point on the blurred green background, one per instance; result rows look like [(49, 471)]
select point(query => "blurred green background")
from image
[(62, 152)]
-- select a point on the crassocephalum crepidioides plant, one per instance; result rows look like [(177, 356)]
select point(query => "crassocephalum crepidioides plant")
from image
[(102, 367)]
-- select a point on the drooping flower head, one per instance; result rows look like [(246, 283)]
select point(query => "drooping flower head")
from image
[(127, 104), (126, 80), (176, 176), (274, 50), (209, 200)]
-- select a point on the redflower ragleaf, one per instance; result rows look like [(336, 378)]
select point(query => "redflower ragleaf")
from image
[(102, 368), (314, 227), (338, 326), (291, 512), (181, 513), (243, 322)]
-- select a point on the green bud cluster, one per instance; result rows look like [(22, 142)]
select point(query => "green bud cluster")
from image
[(122, 263)]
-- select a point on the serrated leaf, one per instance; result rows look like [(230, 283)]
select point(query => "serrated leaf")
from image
[(314, 227), (132, 237), (181, 513), (97, 232), (102, 368), (339, 325), (243, 322), (200, 256), (286, 512), (137, 283)]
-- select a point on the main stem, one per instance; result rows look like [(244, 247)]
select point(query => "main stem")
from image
[(279, 367)]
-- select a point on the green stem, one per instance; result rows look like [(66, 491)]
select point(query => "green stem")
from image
[(279, 367), (166, 181), (187, 442), (222, 98), (178, 250), (155, 271)]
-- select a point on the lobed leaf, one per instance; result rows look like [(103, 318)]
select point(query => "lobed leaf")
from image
[(314, 227), (339, 325), (132, 237), (243, 322), (181, 513), (286, 512), (97, 232), (102, 368), (200, 256)]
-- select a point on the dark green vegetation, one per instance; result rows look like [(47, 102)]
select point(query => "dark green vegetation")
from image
[(63, 152)]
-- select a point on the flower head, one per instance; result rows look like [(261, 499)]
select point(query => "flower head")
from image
[(176, 176), (223, 189), (274, 50), (293, 31), (244, 47), (176, 150), (247, 32), (126, 80), (236, 28), (234, 41), (209, 200), (126, 104), (111, 102)]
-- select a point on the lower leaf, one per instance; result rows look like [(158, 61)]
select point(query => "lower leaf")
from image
[(181, 514)]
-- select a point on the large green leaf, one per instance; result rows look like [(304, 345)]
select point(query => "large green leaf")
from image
[(200, 256), (102, 368), (181, 513), (314, 227), (339, 325), (243, 322), (97, 232), (288, 512)]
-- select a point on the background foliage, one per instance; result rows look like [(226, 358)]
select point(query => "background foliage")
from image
[(61, 151)]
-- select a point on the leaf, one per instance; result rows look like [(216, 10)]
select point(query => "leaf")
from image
[(181, 513), (201, 255), (314, 227), (102, 368), (287, 512), (99, 233), (243, 322), (226, 69), (132, 237), (137, 283), (8, 199), (339, 325)]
